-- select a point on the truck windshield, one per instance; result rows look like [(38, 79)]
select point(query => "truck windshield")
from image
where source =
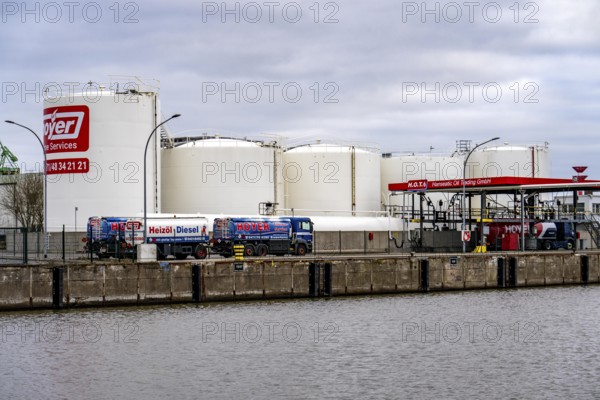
[(305, 226)]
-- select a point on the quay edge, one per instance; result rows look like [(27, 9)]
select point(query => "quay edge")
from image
[(112, 282)]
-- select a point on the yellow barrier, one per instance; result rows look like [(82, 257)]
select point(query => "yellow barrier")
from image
[(238, 252), (480, 249)]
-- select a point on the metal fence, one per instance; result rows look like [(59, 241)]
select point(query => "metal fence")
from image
[(18, 246)]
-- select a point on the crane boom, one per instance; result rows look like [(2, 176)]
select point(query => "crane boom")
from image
[(8, 161)]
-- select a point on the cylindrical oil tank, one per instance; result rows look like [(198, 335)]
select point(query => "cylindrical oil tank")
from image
[(356, 224), (94, 145), (326, 179), (531, 161), (215, 175), (397, 168), (525, 160)]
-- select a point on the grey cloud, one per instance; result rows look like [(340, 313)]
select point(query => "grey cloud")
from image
[(370, 54)]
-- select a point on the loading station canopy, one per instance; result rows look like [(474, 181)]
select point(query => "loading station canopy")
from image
[(525, 189), (496, 185)]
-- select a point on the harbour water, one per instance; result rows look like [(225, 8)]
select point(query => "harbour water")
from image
[(524, 343)]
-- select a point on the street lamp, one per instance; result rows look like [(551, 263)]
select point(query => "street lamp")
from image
[(145, 152), (464, 183), (45, 186)]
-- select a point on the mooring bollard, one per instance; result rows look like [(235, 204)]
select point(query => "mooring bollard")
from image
[(327, 279), (313, 279), (196, 283), (424, 267), (501, 273), (585, 269), (512, 272), (57, 287)]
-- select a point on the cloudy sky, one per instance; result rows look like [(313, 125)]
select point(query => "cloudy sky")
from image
[(401, 76)]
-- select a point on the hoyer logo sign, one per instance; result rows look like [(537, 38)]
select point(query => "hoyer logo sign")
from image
[(66, 129)]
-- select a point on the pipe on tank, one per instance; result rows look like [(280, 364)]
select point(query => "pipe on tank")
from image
[(155, 157), (275, 182), (532, 161), (389, 214), (353, 178)]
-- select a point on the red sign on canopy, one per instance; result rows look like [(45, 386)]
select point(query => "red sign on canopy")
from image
[(417, 185)]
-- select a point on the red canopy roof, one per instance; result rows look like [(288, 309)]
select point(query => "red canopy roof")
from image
[(495, 183)]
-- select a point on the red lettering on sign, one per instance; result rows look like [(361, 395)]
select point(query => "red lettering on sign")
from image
[(418, 185), (137, 225), (68, 166), (66, 129)]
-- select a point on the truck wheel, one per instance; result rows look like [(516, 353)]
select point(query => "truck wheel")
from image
[(262, 250), (201, 252), (103, 251), (181, 256), (248, 250), (570, 245), (301, 250), (547, 245)]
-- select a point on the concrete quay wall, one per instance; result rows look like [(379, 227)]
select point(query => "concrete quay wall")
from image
[(106, 283)]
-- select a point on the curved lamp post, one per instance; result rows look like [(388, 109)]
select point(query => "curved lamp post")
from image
[(145, 153), (45, 230), (464, 183)]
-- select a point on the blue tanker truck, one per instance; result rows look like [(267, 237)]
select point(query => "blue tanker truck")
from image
[(106, 237), (262, 236), (119, 236)]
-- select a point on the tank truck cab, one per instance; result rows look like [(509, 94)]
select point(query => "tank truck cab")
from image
[(555, 235), (302, 235)]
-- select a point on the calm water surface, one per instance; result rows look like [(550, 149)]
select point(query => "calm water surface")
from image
[(525, 343)]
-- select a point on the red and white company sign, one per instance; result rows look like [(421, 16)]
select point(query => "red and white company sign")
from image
[(466, 236), (417, 185), (134, 225), (66, 129)]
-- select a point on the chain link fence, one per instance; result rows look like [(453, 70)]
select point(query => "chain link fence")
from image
[(18, 246)]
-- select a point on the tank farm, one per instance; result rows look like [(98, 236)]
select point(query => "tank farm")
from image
[(219, 218)]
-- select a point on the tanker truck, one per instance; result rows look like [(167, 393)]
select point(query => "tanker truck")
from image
[(262, 236), (549, 235), (119, 236)]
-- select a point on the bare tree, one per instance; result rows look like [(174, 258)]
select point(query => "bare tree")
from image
[(25, 200)]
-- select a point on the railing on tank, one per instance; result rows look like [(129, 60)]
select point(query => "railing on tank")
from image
[(309, 211), (117, 84)]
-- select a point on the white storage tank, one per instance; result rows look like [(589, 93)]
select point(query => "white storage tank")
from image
[(94, 144), (215, 175), (396, 168), (356, 224), (326, 179), (531, 161), (405, 167)]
